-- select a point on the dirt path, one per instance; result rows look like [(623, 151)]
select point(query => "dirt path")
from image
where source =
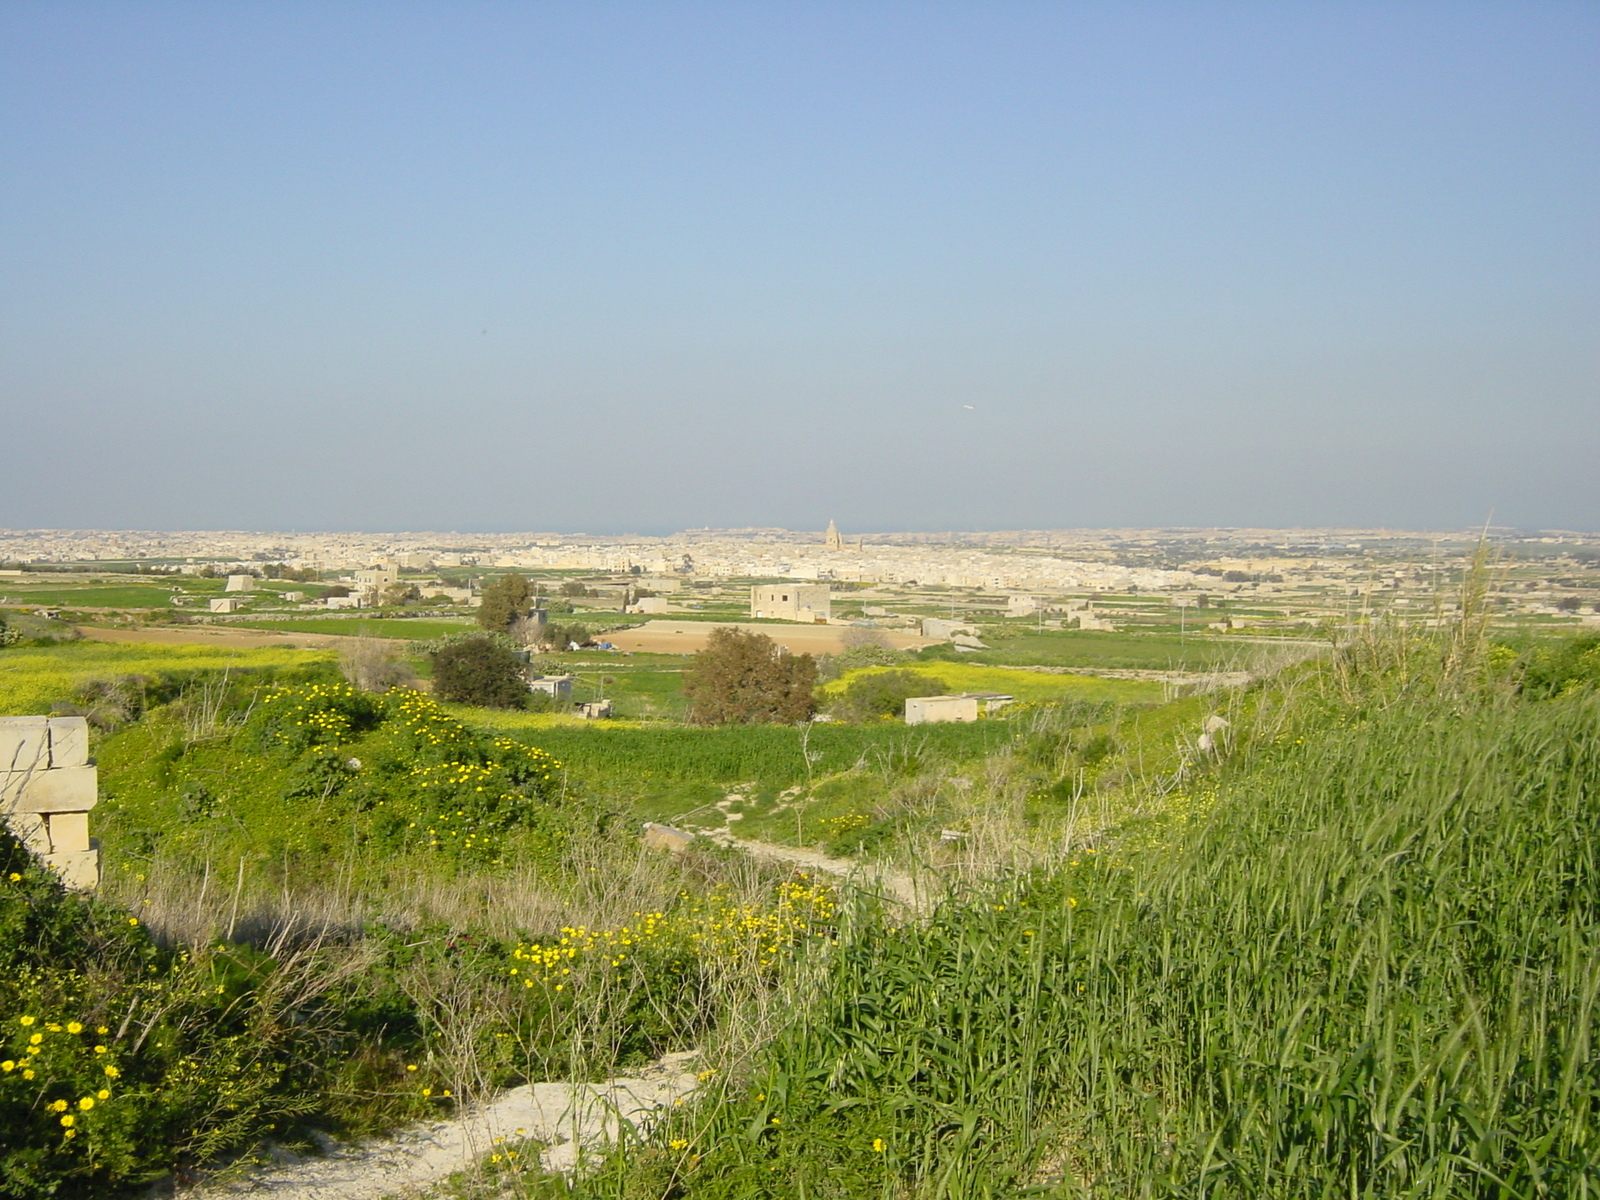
[(893, 883), (568, 1118)]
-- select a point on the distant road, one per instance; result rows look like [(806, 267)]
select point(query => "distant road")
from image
[(686, 637)]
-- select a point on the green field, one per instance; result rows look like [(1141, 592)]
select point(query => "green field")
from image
[(1140, 651), (966, 676), (122, 596), (627, 757), (34, 679)]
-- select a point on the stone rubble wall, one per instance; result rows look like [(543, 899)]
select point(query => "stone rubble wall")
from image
[(47, 788)]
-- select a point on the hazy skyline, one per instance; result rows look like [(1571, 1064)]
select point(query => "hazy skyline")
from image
[(646, 267)]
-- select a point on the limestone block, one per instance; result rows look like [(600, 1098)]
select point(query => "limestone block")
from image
[(30, 830), (69, 741), (79, 870), (665, 837), (69, 832), (71, 789), (24, 743)]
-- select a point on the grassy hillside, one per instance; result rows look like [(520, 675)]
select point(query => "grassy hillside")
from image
[(1356, 959)]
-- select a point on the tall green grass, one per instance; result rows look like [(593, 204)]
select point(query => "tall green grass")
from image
[(1361, 962), (635, 757)]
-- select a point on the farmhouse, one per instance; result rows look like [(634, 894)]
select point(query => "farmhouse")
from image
[(792, 602), (375, 579)]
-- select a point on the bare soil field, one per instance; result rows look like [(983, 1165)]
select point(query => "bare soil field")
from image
[(687, 637), (201, 635)]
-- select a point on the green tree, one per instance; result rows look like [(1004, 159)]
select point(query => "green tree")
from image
[(400, 592), (479, 670), (741, 678), (884, 694), (505, 600)]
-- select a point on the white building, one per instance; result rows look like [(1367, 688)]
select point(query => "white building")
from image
[(557, 687), (240, 583), (939, 627), (959, 706), (932, 710)]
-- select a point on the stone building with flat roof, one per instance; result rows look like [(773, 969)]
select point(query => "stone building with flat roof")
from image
[(806, 602)]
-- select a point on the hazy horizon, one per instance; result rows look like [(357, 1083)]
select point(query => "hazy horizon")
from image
[(646, 268)]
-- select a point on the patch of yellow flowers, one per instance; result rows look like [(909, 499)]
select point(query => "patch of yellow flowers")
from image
[(713, 927), (47, 1048), (839, 826), (317, 708)]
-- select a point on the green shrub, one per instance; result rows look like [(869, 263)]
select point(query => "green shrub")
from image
[(1560, 665), (119, 1061), (742, 677), (480, 671), (884, 694)]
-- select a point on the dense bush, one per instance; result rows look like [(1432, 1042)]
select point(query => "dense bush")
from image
[(1552, 667), (480, 671), (881, 694), (742, 677), (120, 1061)]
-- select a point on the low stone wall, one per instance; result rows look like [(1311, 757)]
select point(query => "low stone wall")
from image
[(47, 788)]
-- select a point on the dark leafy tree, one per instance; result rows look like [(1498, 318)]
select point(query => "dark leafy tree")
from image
[(481, 671), (401, 592), (884, 694), (505, 600), (741, 678)]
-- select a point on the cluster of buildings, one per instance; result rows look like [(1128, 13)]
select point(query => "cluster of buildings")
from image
[(1546, 570)]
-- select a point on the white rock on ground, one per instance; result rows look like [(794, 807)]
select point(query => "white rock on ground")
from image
[(568, 1118)]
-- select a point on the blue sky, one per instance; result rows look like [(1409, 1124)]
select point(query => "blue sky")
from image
[(636, 267)]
